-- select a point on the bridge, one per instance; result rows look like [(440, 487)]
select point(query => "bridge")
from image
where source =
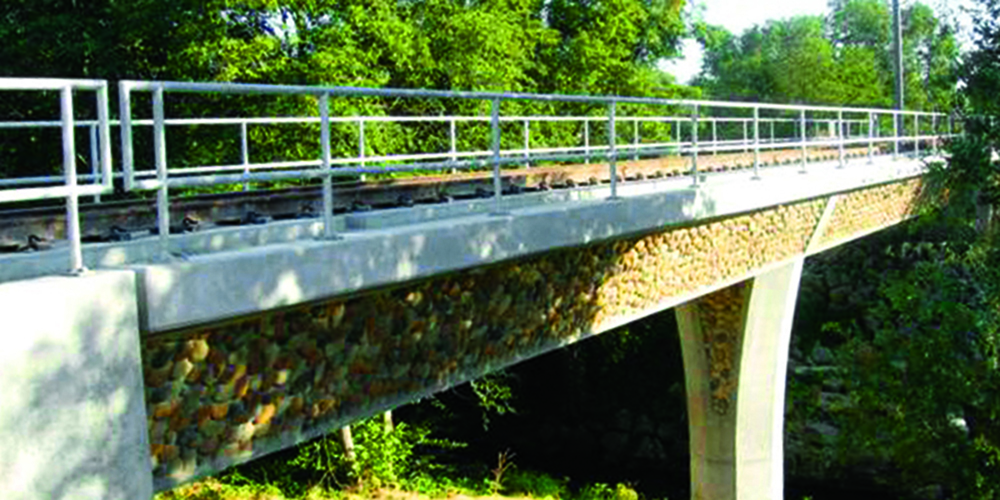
[(141, 361)]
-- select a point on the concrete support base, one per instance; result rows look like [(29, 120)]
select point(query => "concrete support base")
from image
[(72, 418), (735, 348)]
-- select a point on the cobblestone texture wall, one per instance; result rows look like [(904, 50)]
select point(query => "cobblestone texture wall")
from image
[(872, 208), (721, 316), (221, 394)]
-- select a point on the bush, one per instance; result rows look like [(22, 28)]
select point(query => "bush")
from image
[(381, 459), (535, 484), (601, 491)]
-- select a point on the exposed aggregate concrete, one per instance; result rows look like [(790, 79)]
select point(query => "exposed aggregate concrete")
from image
[(221, 394)]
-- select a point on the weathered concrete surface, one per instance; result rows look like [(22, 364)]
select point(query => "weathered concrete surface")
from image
[(72, 418), (735, 349)]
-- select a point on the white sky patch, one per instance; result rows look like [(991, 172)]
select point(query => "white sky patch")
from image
[(738, 15)]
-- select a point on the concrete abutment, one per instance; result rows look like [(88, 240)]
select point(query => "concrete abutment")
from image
[(72, 412)]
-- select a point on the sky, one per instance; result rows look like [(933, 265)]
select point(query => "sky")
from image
[(738, 15)]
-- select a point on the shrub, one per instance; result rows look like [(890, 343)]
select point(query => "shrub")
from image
[(381, 459), (535, 484), (601, 491)]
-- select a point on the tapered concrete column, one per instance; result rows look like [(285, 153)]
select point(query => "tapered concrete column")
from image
[(735, 347)]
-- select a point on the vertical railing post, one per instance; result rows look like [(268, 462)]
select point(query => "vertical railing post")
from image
[(916, 136), (871, 136), (840, 137), (69, 171), (756, 142), (934, 134), (715, 142), (745, 144), (694, 140), (771, 122), (452, 139), (527, 143), (635, 139), (324, 139), (162, 191), (895, 135), (125, 119), (612, 149), (586, 141), (104, 132), (802, 121), (245, 155), (495, 128), (95, 158), (361, 140)]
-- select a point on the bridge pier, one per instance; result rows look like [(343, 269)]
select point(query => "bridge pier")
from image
[(72, 412), (735, 348)]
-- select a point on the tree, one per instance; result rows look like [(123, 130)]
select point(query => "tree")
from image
[(843, 58), (922, 373), (609, 46), (781, 61), (980, 68)]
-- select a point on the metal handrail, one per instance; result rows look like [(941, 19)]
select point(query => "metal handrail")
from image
[(527, 151), (165, 178), (100, 153), (849, 126)]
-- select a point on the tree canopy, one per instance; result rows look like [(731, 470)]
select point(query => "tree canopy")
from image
[(596, 46), (841, 58)]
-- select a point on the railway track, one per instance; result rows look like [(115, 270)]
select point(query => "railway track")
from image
[(35, 228)]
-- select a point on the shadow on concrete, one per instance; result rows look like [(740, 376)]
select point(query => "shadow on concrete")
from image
[(73, 424)]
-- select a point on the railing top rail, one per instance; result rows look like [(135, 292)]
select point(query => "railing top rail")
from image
[(49, 83), (258, 88)]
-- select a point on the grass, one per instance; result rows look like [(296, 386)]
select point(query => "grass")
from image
[(397, 463), (517, 485)]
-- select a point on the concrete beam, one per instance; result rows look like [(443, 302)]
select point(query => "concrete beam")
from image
[(735, 348), (72, 412), (214, 286)]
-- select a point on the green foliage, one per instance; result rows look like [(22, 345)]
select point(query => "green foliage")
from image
[(971, 178), (980, 67), (605, 46), (535, 484), (381, 459), (918, 358), (495, 395), (931, 360), (211, 489), (843, 58), (602, 491)]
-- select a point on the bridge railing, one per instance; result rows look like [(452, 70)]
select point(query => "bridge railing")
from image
[(609, 129), (13, 190), (846, 127)]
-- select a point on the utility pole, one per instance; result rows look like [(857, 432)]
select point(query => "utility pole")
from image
[(897, 38)]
